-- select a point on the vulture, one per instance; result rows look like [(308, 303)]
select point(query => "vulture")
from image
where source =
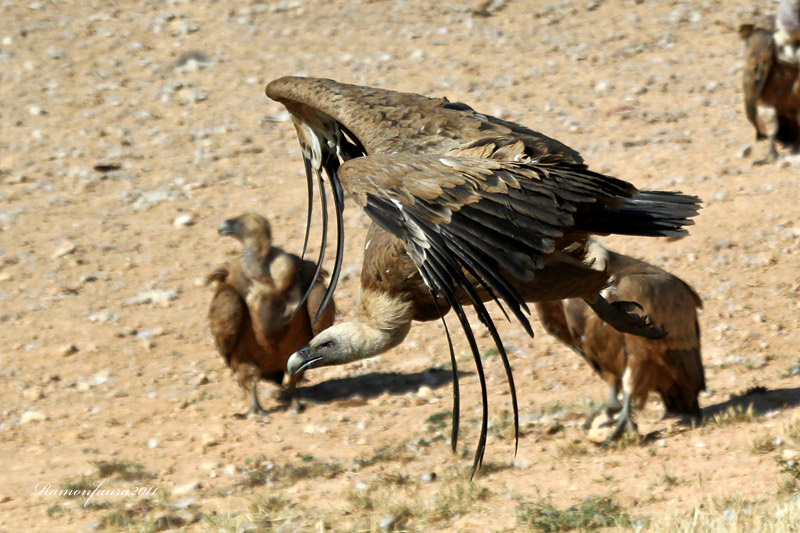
[(787, 30), (773, 83), (466, 208), (254, 316), (671, 366)]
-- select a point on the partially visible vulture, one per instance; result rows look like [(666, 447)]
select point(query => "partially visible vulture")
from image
[(671, 366), (254, 315), (787, 30), (466, 208), (773, 83)]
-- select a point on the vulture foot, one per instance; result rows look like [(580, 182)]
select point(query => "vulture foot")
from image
[(608, 409), (253, 411), (624, 424), (255, 406), (771, 156), (290, 401), (620, 316)]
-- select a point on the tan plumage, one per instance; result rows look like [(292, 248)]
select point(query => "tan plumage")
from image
[(772, 83), (253, 315), (466, 208), (671, 366)]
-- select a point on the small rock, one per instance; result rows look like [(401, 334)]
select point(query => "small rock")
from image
[(66, 248), (602, 86), (102, 317), (210, 439), (35, 110), (5, 498), (32, 416), (152, 443), (388, 523), (597, 433), (744, 151), (202, 379), (790, 455), (154, 296), (168, 521), (186, 488), (67, 350), (6, 276), (33, 394), (183, 220), (428, 477), (425, 392)]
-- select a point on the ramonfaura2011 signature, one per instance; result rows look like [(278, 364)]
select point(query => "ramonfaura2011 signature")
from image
[(46, 488)]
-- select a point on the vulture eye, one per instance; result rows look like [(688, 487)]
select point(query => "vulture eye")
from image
[(325, 345)]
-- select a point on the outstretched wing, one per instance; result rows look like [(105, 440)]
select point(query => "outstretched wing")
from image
[(337, 122)]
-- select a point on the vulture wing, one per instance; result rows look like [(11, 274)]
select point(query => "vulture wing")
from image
[(465, 219), (336, 122), (759, 56), (226, 314)]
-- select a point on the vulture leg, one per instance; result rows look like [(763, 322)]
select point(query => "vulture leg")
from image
[(287, 395), (610, 408), (255, 405), (771, 156), (625, 420), (620, 316)]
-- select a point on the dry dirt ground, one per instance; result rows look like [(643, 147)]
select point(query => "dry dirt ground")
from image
[(131, 129)]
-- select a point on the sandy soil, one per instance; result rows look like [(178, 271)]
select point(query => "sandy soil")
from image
[(121, 119)]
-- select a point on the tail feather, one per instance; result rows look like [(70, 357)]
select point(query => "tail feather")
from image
[(646, 214)]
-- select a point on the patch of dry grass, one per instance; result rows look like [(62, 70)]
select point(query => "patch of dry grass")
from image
[(386, 506), (590, 514), (735, 516), (733, 415), (764, 444)]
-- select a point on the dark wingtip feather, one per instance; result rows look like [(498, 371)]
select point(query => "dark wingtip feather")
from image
[(338, 203), (310, 206), (321, 258), (454, 368)]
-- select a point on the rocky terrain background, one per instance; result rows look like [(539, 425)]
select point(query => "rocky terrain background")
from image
[(131, 129)]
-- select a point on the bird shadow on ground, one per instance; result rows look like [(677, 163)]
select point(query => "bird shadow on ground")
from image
[(762, 400), (374, 384)]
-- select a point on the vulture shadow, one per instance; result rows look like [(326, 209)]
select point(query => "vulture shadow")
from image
[(761, 399), (374, 384)]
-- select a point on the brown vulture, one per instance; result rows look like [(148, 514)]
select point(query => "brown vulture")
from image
[(671, 366), (466, 208), (770, 82), (253, 316)]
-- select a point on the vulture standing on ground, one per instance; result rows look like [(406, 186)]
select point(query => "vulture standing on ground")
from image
[(466, 208), (769, 82), (672, 366), (254, 315)]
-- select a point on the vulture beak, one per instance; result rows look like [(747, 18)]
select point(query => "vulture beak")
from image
[(301, 360), (228, 227)]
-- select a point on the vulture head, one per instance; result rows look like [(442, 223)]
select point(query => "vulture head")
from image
[(252, 231), (382, 322)]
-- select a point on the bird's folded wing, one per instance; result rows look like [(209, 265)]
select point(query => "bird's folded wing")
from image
[(759, 56)]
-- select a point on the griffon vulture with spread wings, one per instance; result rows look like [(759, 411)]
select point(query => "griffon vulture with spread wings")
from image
[(466, 208)]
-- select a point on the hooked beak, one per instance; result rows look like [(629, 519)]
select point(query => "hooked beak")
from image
[(301, 360), (228, 227)]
